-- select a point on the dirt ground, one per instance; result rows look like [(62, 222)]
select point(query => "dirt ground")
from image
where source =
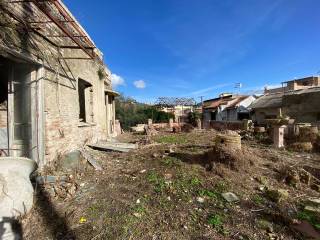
[(172, 189)]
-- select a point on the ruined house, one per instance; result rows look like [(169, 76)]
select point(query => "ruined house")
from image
[(227, 107), (298, 99), (55, 90)]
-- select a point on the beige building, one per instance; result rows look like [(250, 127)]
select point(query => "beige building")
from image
[(298, 99), (180, 112), (55, 90)]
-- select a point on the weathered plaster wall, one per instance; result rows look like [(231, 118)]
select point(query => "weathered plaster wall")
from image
[(3, 118), (303, 107), (62, 130)]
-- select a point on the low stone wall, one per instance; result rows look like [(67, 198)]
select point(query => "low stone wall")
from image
[(222, 125)]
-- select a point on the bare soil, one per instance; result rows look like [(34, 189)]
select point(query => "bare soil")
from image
[(171, 189)]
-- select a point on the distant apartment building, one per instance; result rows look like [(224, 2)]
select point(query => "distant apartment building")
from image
[(298, 99)]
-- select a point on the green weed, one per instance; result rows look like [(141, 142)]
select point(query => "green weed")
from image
[(157, 181), (310, 217), (216, 221), (171, 162), (208, 193), (171, 139), (257, 199)]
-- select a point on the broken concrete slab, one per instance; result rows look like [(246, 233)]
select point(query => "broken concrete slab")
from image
[(86, 155), (50, 179), (117, 147)]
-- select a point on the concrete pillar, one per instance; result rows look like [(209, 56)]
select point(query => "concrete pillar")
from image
[(199, 124), (113, 113), (247, 124), (278, 136), (171, 123), (149, 122)]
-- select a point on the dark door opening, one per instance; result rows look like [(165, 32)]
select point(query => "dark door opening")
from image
[(83, 99), (15, 101), (243, 115), (213, 115)]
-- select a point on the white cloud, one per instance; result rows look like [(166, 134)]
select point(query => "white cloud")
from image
[(139, 84), (117, 80)]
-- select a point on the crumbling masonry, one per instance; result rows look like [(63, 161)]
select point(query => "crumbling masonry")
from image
[(56, 92)]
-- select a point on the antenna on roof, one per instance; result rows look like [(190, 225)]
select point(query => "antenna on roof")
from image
[(238, 86)]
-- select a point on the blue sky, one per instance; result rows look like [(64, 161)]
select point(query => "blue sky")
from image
[(190, 48)]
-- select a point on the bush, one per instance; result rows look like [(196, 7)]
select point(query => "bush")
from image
[(130, 112)]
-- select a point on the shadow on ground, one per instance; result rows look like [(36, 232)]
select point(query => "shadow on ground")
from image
[(56, 224)]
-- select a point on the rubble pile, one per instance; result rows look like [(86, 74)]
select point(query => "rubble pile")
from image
[(63, 187), (294, 176), (306, 140), (228, 150)]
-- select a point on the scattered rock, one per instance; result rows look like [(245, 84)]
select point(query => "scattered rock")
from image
[(70, 161), (170, 150), (137, 215), (262, 180), (168, 176), (200, 199), (265, 225), (230, 197), (138, 201), (312, 209), (277, 195), (313, 202), (143, 171)]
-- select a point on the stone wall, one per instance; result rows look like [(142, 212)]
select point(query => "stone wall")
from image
[(62, 129), (224, 125)]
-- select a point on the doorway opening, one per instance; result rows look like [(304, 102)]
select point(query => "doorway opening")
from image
[(15, 108)]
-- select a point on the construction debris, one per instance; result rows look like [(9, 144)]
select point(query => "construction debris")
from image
[(230, 197), (90, 159), (111, 146)]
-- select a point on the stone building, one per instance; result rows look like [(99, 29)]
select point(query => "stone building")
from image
[(55, 90), (298, 99)]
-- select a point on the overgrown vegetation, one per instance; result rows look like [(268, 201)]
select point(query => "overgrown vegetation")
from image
[(130, 112)]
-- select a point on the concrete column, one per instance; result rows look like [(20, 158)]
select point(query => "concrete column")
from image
[(107, 114), (199, 124), (171, 123), (149, 122), (278, 136), (113, 113)]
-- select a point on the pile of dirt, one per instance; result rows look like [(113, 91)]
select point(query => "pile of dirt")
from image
[(187, 128), (233, 158)]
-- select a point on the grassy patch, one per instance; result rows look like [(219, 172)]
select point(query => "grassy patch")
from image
[(215, 221), (208, 193), (257, 199), (171, 139), (195, 181), (221, 187), (310, 217), (171, 162), (95, 210), (157, 181)]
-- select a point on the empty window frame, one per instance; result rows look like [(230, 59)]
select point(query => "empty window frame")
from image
[(84, 91)]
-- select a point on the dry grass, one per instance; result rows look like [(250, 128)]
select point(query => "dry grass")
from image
[(154, 193)]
